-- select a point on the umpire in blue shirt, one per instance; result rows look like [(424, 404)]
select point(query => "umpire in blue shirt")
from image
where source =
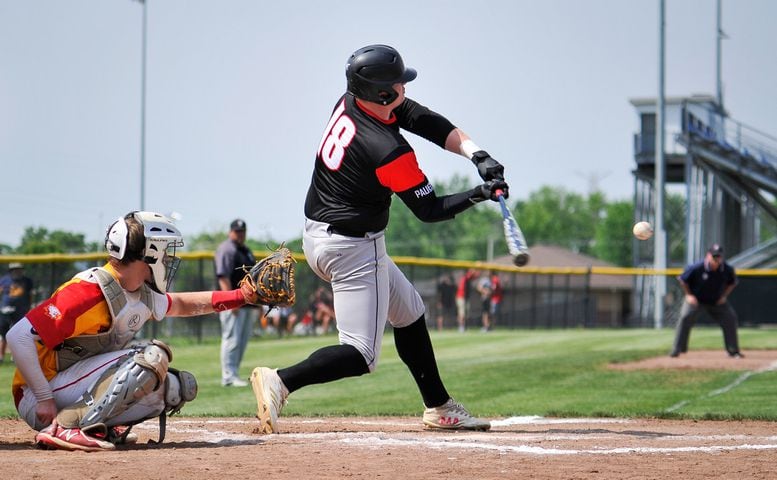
[(707, 285)]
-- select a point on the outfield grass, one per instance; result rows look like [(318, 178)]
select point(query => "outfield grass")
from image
[(499, 374)]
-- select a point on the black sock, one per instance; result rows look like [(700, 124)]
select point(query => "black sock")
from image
[(415, 349), (325, 365)]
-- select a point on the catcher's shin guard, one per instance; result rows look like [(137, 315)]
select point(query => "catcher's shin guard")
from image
[(181, 387), (119, 388)]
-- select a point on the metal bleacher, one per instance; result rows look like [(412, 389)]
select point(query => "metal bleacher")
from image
[(726, 173), (729, 171), (743, 161)]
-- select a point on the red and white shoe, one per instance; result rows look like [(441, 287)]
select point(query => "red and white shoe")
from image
[(453, 416), (56, 437)]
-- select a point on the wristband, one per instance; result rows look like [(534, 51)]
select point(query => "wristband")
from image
[(222, 300), (468, 148)]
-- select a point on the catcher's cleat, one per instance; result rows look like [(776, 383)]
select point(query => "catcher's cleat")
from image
[(453, 416), (116, 435), (270, 395), (56, 437)]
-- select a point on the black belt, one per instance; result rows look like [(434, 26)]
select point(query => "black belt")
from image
[(345, 231)]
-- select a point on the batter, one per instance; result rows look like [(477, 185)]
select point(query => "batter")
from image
[(361, 162)]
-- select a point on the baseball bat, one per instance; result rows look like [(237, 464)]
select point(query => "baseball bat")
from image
[(516, 244)]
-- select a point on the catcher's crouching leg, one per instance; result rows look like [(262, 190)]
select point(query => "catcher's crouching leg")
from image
[(121, 387)]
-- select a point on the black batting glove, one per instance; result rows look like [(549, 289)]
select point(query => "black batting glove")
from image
[(487, 191), (488, 168)]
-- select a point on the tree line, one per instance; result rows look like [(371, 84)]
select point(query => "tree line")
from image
[(585, 223)]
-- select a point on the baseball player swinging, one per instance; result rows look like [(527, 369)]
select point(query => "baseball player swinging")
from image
[(79, 380), (362, 160)]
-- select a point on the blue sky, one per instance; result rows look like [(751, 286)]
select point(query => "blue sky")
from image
[(238, 93)]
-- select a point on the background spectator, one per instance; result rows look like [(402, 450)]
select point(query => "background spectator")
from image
[(446, 299), (15, 300), (462, 297)]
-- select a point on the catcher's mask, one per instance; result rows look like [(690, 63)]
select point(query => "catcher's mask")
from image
[(161, 239), (373, 70)]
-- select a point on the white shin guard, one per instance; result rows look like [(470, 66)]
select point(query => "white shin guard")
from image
[(119, 388)]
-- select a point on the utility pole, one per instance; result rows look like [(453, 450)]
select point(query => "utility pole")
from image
[(143, 113), (659, 249), (718, 76)]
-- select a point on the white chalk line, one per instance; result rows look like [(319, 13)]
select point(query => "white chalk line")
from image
[(377, 442), (516, 443), (719, 391)]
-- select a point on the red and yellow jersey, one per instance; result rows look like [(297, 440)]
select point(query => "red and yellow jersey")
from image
[(77, 308)]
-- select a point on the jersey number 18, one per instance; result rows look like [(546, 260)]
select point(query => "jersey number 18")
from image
[(337, 136)]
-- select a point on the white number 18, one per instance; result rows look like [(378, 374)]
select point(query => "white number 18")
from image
[(337, 136)]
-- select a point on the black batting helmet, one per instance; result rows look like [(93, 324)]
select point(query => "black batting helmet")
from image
[(372, 70)]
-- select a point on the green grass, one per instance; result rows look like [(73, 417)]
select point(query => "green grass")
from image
[(503, 373)]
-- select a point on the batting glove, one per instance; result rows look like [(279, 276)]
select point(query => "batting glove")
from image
[(487, 191), (488, 168)]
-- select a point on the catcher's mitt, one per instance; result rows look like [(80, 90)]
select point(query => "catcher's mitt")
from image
[(271, 280)]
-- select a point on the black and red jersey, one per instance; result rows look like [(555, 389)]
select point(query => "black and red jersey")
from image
[(362, 160)]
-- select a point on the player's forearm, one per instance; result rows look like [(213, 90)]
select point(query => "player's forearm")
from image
[(187, 304), (727, 291), (454, 143), (21, 342), (431, 208)]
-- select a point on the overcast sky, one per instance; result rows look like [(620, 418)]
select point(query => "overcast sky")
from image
[(238, 94)]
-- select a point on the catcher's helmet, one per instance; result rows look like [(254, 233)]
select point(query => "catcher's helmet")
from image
[(160, 240), (372, 70)]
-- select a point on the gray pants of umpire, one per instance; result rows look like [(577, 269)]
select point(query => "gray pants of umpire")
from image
[(723, 314)]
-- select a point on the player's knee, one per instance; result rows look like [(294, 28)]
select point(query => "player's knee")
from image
[(156, 357)]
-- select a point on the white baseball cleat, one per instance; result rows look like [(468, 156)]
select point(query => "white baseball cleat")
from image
[(270, 395), (453, 416)]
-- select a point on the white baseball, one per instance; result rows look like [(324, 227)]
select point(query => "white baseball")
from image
[(642, 230)]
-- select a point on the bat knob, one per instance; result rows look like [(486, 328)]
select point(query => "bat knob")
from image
[(520, 260)]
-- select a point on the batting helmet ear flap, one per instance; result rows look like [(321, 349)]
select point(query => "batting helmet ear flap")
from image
[(116, 239)]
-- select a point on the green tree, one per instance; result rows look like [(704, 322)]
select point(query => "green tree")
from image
[(613, 243), (40, 240), (556, 216)]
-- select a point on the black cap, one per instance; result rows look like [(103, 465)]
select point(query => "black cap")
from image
[(715, 249), (237, 224)]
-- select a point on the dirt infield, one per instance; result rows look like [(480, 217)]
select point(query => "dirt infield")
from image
[(373, 448), (399, 447)]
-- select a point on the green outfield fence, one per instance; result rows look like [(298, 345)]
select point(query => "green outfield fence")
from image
[(535, 297)]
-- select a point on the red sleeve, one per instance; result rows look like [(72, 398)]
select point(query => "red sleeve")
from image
[(400, 174), (55, 318)]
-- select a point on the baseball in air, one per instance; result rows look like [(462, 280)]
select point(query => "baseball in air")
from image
[(642, 230)]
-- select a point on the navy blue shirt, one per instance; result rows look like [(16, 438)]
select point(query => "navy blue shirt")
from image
[(708, 285), (229, 257)]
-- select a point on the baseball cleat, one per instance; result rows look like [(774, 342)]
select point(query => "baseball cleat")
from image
[(270, 395), (56, 437), (453, 416), (116, 435)]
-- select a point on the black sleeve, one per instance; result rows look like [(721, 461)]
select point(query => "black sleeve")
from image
[(428, 207), (423, 122)]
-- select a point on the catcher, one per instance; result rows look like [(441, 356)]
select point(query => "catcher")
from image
[(79, 380)]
